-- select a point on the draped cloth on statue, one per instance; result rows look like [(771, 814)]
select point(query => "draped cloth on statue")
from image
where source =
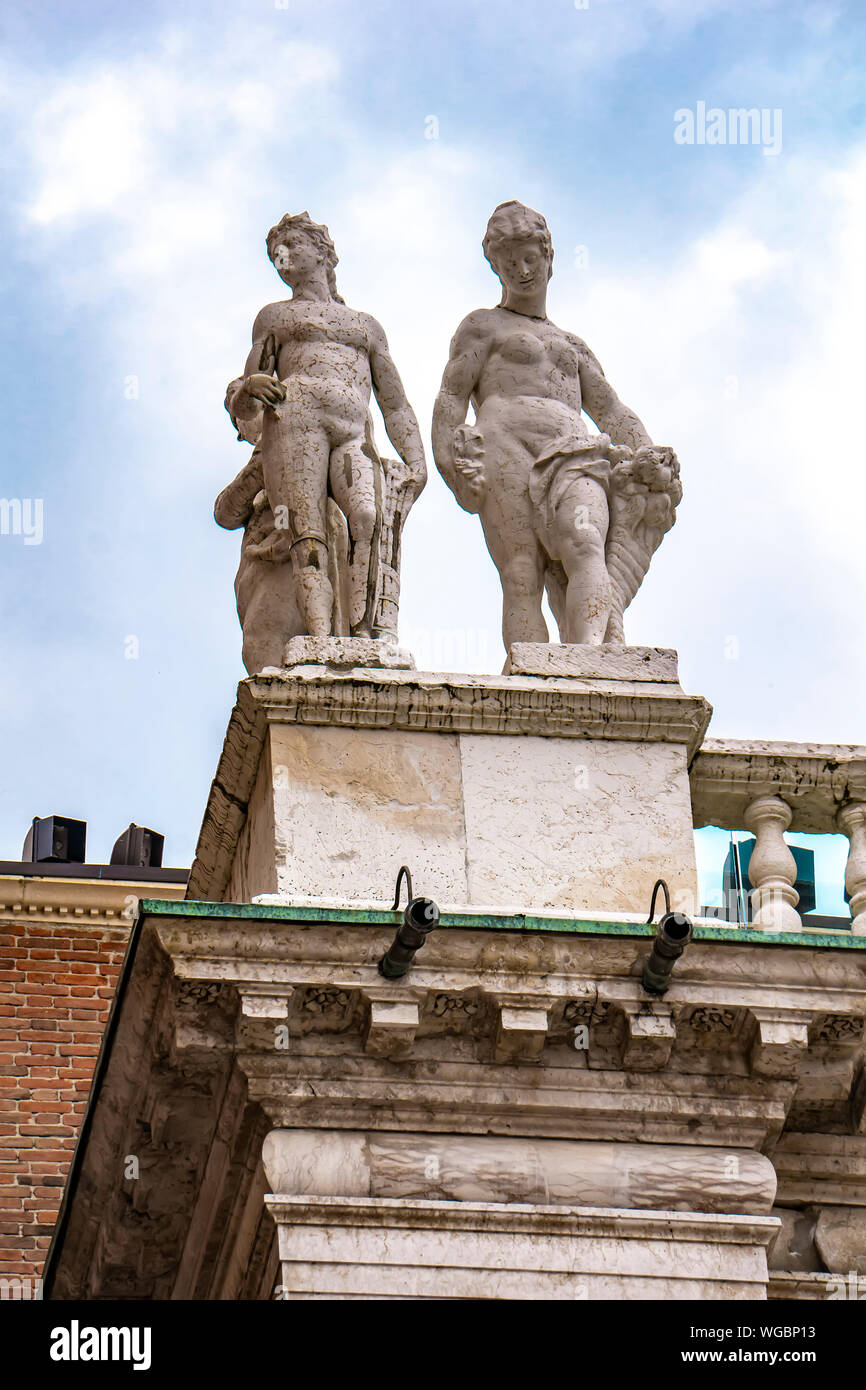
[(563, 462)]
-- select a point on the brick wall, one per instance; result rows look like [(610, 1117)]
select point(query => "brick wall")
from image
[(62, 941), (56, 986)]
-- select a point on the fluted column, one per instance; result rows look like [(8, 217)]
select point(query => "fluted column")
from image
[(852, 821), (772, 868)]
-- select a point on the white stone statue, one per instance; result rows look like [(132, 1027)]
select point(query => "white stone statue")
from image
[(576, 513), (317, 501)]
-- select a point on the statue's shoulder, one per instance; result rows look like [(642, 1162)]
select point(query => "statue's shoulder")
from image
[(584, 351), (477, 326), (370, 323), (270, 317)]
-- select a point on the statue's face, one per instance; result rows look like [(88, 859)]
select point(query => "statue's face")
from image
[(523, 263), (297, 256)]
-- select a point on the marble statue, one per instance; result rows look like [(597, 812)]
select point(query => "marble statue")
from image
[(575, 513), (322, 511)]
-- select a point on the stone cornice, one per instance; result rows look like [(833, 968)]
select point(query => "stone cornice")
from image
[(77, 902), (548, 707), (611, 1222), (749, 1034), (815, 780)]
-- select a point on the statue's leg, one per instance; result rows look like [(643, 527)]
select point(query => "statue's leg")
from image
[(520, 562), (579, 532), (507, 520), (296, 453), (353, 489)]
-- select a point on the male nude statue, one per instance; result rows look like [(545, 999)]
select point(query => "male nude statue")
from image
[(307, 381), (579, 514)]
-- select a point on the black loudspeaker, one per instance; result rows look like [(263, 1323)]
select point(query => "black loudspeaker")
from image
[(55, 840), (140, 847)]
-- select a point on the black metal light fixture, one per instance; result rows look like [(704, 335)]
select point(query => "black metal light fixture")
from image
[(55, 840), (420, 917), (140, 847), (673, 936)]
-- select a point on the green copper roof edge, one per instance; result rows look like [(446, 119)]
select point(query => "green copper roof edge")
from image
[(485, 921)]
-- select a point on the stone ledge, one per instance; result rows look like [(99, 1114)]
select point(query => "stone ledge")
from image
[(615, 1222), (791, 1285), (608, 662), (338, 1247)]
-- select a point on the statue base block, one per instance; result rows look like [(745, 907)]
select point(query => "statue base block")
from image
[(353, 652), (608, 662)]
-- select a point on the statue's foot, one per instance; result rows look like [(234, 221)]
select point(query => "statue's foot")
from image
[(276, 547)]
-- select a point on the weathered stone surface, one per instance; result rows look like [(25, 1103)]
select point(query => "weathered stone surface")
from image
[(349, 652), (190, 1222), (609, 661), (352, 805), (821, 1169), (486, 1168), (334, 1247), (608, 819), (840, 1235), (794, 1247)]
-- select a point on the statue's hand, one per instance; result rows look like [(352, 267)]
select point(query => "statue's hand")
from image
[(470, 478), (264, 388)]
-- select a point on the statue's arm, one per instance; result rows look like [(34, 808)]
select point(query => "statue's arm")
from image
[(465, 360), (248, 394), (400, 420), (603, 405), (234, 506)]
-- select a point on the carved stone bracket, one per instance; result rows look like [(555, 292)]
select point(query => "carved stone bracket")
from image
[(780, 1042), (392, 1020), (521, 1030), (650, 1035), (266, 1005)]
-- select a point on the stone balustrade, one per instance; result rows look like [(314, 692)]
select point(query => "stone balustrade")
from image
[(769, 788)]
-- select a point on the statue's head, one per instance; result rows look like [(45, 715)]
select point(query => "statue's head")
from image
[(297, 244), (518, 246)]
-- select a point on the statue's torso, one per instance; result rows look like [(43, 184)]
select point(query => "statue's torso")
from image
[(529, 382), (321, 342), (528, 358)]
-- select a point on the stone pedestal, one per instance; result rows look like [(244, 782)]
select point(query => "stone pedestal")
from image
[(565, 792)]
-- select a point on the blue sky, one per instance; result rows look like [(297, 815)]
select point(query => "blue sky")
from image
[(147, 150)]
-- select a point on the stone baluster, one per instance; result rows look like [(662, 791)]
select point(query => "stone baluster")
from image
[(772, 868), (851, 819)]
